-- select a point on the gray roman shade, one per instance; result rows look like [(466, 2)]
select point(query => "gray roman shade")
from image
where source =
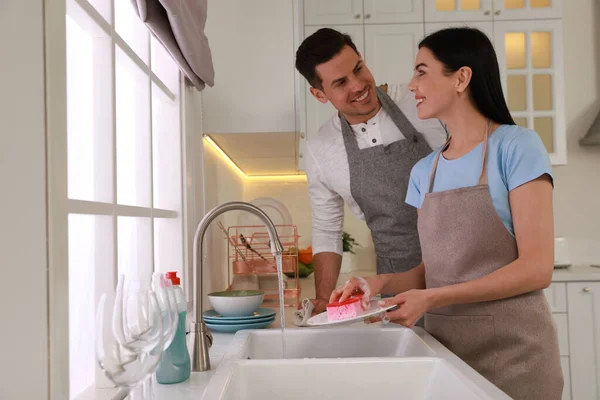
[(179, 26)]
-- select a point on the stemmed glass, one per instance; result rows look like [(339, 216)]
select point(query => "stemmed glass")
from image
[(163, 288), (129, 334)]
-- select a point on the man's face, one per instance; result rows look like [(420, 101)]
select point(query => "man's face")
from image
[(348, 84)]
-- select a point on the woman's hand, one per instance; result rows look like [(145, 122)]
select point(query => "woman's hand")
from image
[(368, 286), (412, 305)]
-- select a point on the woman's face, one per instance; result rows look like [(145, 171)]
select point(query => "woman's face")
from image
[(434, 88)]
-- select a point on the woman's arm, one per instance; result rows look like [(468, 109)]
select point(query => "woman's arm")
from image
[(403, 281), (533, 220)]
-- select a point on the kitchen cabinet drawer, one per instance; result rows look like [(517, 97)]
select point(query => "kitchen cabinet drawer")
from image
[(562, 326), (556, 294)]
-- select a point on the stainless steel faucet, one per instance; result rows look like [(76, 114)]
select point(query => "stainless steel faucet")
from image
[(201, 337)]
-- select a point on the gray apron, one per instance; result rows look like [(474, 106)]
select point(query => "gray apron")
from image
[(513, 341), (379, 178)]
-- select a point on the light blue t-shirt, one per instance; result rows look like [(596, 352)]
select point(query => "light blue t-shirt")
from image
[(516, 156)]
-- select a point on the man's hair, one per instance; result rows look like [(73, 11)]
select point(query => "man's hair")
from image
[(319, 48)]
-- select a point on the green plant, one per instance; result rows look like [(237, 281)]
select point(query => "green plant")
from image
[(348, 243)]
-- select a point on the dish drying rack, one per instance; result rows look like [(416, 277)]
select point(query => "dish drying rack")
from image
[(253, 266)]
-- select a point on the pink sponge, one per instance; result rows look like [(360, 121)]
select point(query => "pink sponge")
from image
[(349, 308)]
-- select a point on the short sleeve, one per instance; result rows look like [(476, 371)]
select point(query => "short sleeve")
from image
[(413, 193), (526, 159)]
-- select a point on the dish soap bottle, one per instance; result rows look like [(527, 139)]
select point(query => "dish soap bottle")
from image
[(175, 363)]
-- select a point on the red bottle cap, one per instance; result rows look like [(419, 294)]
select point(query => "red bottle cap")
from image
[(172, 275)]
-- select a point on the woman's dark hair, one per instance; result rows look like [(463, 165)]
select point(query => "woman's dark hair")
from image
[(319, 48), (469, 47)]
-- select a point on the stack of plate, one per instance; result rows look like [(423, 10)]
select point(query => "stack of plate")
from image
[(261, 318)]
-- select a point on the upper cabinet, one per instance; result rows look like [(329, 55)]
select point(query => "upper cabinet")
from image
[(488, 10), (531, 68), (458, 10), (357, 12), (392, 11), (527, 9), (390, 50), (333, 12)]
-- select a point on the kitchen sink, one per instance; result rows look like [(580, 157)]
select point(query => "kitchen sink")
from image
[(414, 378), (345, 362), (336, 343)]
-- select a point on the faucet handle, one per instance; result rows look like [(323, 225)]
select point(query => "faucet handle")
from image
[(209, 337)]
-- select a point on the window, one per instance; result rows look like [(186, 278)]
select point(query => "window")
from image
[(125, 163)]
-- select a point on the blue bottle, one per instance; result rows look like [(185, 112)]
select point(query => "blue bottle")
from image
[(175, 365)]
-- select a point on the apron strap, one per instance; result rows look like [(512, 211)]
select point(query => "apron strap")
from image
[(482, 177), (435, 164)]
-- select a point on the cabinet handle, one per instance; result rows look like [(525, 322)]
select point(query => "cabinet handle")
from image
[(357, 16), (300, 155), (367, 16), (498, 12), (587, 289), (302, 135), (486, 13)]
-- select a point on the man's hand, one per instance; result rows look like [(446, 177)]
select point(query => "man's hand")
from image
[(320, 306)]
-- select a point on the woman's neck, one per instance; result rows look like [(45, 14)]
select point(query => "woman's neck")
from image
[(467, 127)]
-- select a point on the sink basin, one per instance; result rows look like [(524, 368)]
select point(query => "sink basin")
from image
[(345, 362), (415, 379), (326, 343)]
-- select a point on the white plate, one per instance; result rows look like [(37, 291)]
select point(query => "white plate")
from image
[(371, 311), (275, 210)]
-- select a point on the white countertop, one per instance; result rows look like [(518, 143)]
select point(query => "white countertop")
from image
[(576, 273), (195, 385)]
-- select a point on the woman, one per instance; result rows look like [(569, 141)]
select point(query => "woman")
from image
[(485, 225)]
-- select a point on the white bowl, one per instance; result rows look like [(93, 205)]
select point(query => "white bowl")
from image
[(236, 303)]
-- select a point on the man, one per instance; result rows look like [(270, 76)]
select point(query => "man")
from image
[(363, 156)]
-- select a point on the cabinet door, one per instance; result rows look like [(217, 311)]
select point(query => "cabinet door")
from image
[(318, 113), (390, 51), (584, 330), (485, 26), (393, 11), (527, 9), (566, 369), (458, 10), (333, 12), (530, 55)]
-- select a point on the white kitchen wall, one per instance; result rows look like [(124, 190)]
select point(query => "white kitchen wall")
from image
[(577, 185), (23, 252)]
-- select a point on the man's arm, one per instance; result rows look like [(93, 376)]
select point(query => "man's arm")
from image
[(327, 270), (327, 225)]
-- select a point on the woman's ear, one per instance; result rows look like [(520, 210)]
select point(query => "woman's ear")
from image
[(463, 76)]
